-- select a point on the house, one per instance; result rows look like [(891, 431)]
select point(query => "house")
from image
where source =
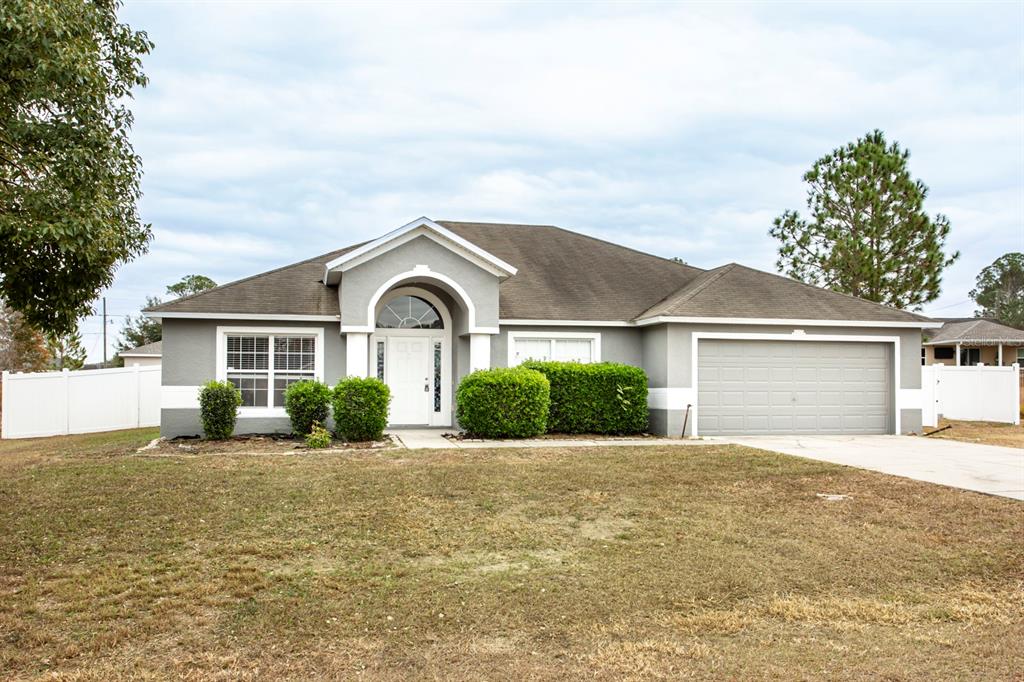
[(731, 350), (146, 355), (973, 341)]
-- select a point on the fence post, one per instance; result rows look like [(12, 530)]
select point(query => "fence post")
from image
[(138, 395), (1016, 402), (4, 416), (66, 376)]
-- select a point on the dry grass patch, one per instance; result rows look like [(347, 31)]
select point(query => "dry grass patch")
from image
[(606, 563), (987, 433)]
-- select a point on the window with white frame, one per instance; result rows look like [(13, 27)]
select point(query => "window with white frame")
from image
[(262, 366), (567, 347)]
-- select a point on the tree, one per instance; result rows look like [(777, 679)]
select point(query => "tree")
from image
[(67, 351), (69, 178), (138, 330), (999, 290), (868, 234), (22, 347), (191, 284)]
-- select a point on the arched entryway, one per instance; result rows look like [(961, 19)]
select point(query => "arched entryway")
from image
[(411, 351)]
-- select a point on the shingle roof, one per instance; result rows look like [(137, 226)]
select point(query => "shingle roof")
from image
[(979, 332), (564, 275), (295, 289), (155, 348), (734, 290)]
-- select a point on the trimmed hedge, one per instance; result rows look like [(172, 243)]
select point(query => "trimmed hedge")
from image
[(218, 409), (503, 403), (603, 397), (360, 409), (307, 403)]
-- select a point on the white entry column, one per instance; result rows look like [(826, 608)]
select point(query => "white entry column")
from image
[(357, 354), (479, 352)]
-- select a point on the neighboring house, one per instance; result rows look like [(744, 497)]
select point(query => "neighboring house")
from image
[(973, 341), (146, 355), (422, 306)]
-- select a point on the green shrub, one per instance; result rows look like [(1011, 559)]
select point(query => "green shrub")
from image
[(360, 408), (218, 409), (503, 403), (318, 437), (603, 397), (307, 403)]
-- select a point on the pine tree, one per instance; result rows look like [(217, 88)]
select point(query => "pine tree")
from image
[(138, 330), (868, 234), (999, 290)]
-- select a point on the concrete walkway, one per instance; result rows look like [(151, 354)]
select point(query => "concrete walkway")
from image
[(984, 468), (434, 439)]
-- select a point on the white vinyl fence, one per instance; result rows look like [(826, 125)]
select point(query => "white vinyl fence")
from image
[(980, 393), (84, 401)]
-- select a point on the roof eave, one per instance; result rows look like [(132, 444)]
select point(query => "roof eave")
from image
[(905, 324)]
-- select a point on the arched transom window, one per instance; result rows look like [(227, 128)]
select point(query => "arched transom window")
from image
[(409, 312)]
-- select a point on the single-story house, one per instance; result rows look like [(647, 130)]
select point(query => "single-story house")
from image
[(973, 341), (731, 350), (146, 355)]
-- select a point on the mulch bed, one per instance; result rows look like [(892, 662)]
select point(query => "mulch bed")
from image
[(268, 444), (463, 436)]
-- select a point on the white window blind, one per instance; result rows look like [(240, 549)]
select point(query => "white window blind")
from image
[(262, 376), (557, 348)]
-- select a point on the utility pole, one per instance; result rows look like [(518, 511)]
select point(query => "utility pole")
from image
[(104, 331)]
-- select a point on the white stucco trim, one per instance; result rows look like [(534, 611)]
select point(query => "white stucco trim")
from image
[(479, 352), (156, 315), (357, 358), (422, 226), (222, 360), (140, 355), (671, 398), (179, 397), (787, 322), (898, 395), (593, 337), (420, 272), (565, 323)]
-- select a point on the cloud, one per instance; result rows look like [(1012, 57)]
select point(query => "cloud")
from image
[(272, 132)]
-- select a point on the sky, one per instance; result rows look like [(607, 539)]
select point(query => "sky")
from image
[(271, 132)]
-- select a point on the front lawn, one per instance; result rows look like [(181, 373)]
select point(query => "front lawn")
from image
[(607, 563), (987, 433)]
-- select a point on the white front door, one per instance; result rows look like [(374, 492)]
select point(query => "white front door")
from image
[(408, 377)]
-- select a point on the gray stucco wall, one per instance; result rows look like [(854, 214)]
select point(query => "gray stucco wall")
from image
[(189, 359), (668, 362), (664, 351), (359, 284)]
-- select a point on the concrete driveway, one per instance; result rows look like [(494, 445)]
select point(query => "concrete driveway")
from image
[(985, 468)]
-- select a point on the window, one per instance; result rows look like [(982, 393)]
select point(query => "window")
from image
[(380, 360), (1020, 356), (566, 347), (261, 375), (437, 376), (409, 312), (944, 353), (969, 357), (924, 355)]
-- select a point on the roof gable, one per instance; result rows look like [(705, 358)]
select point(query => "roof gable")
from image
[(421, 227)]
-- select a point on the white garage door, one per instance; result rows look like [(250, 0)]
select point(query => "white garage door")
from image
[(761, 387)]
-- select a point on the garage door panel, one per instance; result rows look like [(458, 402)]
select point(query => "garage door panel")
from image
[(793, 387)]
